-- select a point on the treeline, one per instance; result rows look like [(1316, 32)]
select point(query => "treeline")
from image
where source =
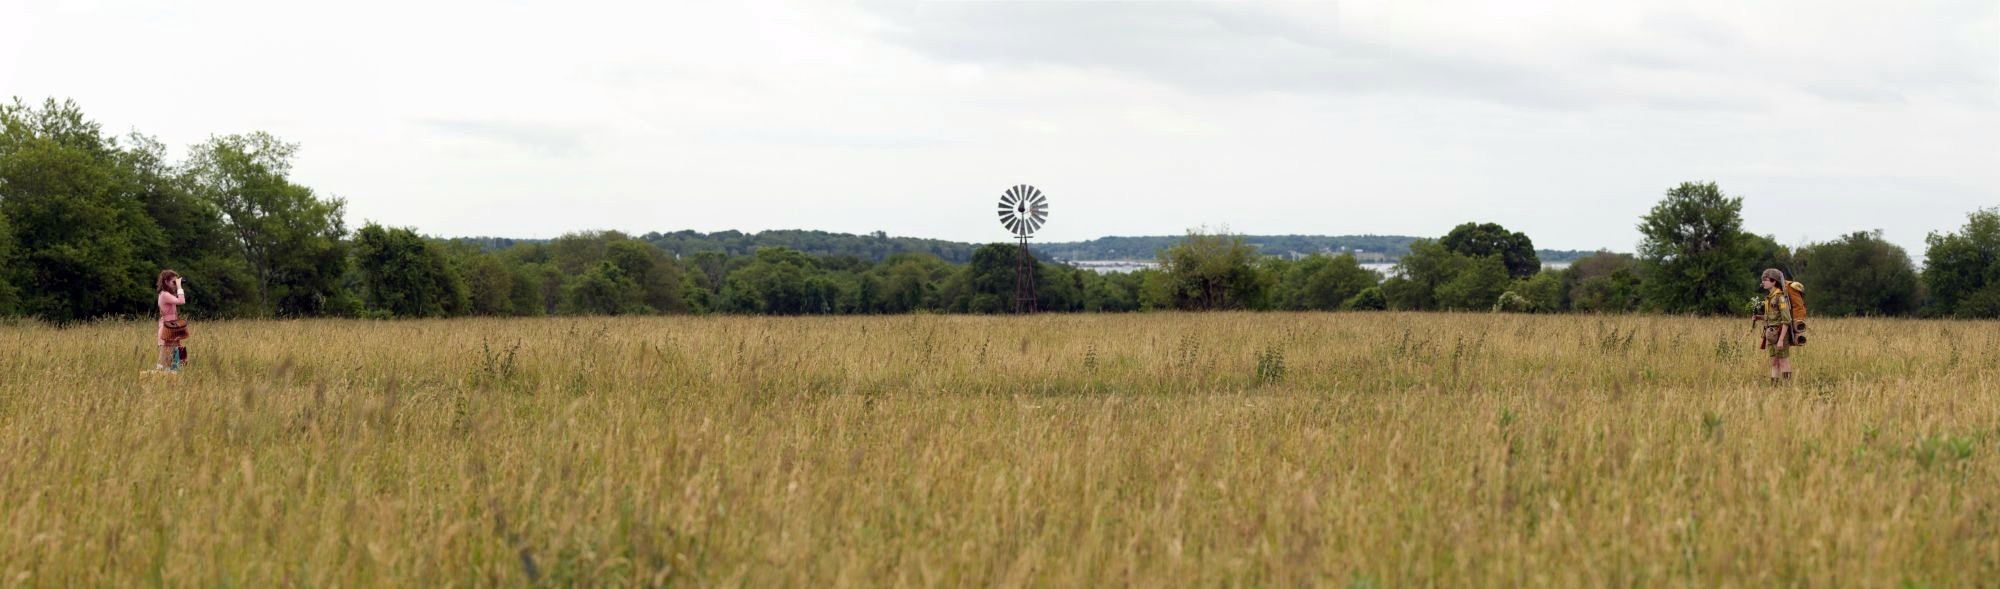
[(1695, 258), (878, 246), (87, 220), (1292, 246), (874, 247)]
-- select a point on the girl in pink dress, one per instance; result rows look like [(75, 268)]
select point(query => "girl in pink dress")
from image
[(171, 298)]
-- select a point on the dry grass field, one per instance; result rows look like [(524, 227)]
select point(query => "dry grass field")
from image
[(1151, 450)]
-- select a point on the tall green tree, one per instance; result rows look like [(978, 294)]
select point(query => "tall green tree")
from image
[(196, 243), (1859, 274), (290, 238), (1480, 240), (404, 275), (1212, 271), (1963, 269), (1691, 253), (83, 246)]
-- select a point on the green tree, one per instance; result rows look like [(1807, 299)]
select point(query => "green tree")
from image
[(195, 241), (290, 238), (1480, 240), (708, 269), (655, 273), (1962, 270), (489, 284), (1475, 284), (549, 283), (579, 252), (1211, 271), (1513, 302), (1757, 252), (83, 246), (604, 290), (403, 275), (986, 284), (908, 282), (1604, 283), (1548, 291), (1058, 288), (1323, 282), (778, 281), (1691, 253), (1413, 285), (1369, 299), (1111, 293), (1859, 274)]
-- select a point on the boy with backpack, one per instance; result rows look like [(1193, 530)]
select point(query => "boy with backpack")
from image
[(1785, 308)]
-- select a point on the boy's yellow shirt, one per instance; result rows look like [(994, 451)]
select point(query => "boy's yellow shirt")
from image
[(1777, 306)]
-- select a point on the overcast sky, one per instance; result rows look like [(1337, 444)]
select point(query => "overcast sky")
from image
[(1566, 120)]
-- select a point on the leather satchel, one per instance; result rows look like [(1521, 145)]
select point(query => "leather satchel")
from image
[(177, 329)]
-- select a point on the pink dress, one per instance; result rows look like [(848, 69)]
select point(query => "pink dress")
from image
[(169, 310)]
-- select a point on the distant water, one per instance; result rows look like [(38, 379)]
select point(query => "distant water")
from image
[(1390, 269), (1123, 266)]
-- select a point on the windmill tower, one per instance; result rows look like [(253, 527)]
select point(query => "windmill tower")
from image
[(1023, 209)]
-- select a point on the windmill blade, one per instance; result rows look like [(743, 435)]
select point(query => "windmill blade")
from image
[(1023, 209)]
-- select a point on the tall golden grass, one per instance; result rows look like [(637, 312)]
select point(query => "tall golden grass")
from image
[(1153, 450)]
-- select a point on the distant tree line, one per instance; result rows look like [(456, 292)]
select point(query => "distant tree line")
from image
[(87, 220), (1394, 247), (878, 246)]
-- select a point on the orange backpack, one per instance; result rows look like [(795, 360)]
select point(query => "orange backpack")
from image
[(1797, 293)]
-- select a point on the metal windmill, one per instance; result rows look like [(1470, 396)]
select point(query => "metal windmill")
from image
[(1023, 209)]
